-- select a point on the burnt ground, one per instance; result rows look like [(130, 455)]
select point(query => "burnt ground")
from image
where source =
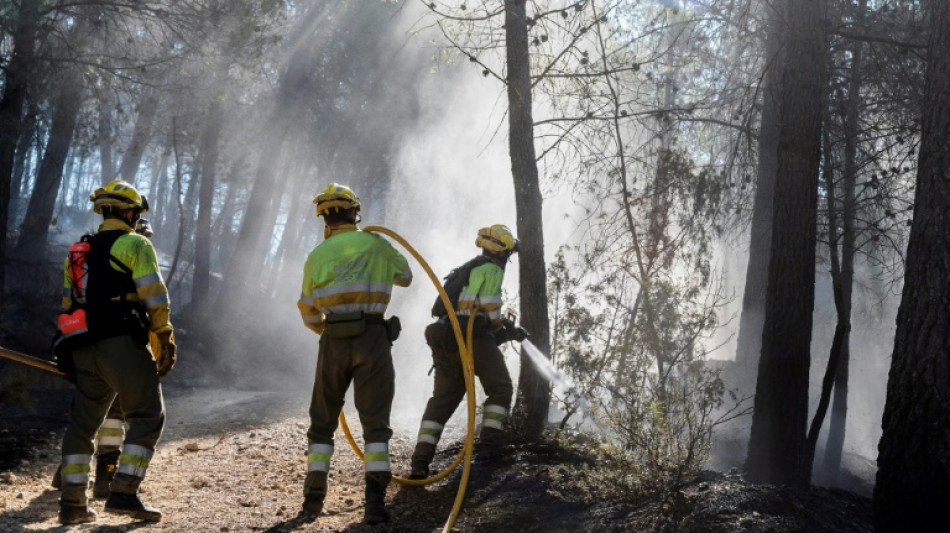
[(233, 461)]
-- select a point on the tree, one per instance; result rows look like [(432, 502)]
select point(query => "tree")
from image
[(534, 392), (913, 479), (66, 105), (749, 342), (11, 112), (777, 444)]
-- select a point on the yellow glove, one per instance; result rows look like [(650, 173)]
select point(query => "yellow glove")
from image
[(168, 353)]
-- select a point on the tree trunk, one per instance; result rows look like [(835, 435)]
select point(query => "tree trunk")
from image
[(11, 110), (749, 341), (777, 445), (160, 201), (140, 137), (39, 214), (24, 151), (913, 477), (831, 465), (209, 163), (252, 233), (106, 103), (534, 392)]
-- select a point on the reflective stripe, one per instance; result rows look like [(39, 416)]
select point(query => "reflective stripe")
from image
[(318, 457), (429, 439), (75, 332), (148, 279), (114, 423), (306, 299), (75, 469), (488, 300), (430, 431), (157, 300), (134, 460), (494, 416), (112, 432), (378, 308), (494, 424), (430, 428), (111, 440), (496, 410), (344, 288), (376, 457)]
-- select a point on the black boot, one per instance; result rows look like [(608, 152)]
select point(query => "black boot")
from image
[(314, 492), (105, 471), (73, 514), (419, 470), (491, 445), (131, 505), (375, 511), (57, 482), (421, 458)]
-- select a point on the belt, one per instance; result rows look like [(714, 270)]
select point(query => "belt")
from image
[(375, 318)]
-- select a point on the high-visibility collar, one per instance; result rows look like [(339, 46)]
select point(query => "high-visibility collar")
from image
[(330, 231), (114, 224)]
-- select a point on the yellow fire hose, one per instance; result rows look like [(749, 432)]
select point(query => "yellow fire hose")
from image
[(468, 368)]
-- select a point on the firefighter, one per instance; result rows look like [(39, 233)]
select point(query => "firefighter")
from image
[(111, 434), (474, 289), (347, 283), (111, 308)]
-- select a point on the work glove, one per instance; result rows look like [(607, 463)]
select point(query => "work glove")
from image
[(168, 353), (518, 334), (509, 332)]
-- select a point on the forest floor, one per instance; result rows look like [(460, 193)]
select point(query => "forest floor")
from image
[(233, 461)]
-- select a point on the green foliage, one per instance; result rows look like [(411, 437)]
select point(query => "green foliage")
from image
[(641, 368)]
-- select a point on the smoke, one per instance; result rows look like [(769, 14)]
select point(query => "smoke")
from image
[(452, 176), (873, 323)]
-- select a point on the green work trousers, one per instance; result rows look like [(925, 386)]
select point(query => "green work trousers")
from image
[(449, 386), (366, 360), (113, 369)]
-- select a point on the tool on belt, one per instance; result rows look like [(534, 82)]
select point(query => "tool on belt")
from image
[(343, 325)]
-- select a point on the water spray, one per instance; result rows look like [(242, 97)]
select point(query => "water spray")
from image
[(556, 377)]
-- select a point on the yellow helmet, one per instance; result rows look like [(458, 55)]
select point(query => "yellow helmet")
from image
[(497, 239), (118, 194), (336, 195)]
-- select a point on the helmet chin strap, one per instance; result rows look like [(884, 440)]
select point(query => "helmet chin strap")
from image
[(132, 217)]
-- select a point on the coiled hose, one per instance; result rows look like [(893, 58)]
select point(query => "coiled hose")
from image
[(468, 366)]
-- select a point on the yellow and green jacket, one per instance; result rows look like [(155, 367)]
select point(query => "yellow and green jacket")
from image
[(483, 291), (138, 255), (351, 270)]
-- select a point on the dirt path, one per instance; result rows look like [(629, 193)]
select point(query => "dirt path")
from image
[(231, 462)]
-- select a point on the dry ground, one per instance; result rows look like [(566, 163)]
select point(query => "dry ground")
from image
[(233, 461)]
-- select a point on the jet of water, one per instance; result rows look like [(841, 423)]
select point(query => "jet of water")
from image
[(557, 379)]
